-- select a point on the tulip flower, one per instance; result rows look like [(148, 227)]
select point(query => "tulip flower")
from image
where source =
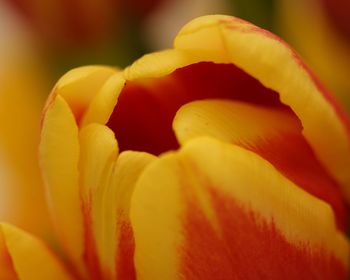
[(323, 39), (221, 158)]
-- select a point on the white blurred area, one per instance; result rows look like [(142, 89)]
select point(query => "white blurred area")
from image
[(167, 20)]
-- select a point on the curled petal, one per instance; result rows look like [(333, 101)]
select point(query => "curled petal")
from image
[(228, 41), (81, 86), (218, 211), (273, 133)]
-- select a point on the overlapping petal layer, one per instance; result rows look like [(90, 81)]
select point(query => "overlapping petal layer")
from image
[(251, 202), (217, 211), (27, 257), (273, 133), (259, 54), (95, 182)]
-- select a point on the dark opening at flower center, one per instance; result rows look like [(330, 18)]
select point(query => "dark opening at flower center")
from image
[(142, 119)]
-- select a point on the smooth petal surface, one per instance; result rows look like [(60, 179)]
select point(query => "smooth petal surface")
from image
[(59, 155), (98, 151), (107, 182), (273, 133), (80, 86), (218, 211), (30, 257), (127, 171), (224, 39)]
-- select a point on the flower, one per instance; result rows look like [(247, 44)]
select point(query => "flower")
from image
[(250, 183)]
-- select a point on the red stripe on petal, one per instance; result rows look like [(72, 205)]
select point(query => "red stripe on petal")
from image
[(7, 269), (90, 253), (125, 254), (293, 157), (247, 247)]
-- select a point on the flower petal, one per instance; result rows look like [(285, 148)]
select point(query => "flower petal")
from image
[(80, 86), (107, 183), (218, 211), (273, 133), (128, 169), (256, 53), (7, 271), (260, 54), (59, 152), (98, 152), (31, 258)]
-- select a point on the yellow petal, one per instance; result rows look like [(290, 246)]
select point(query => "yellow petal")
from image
[(102, 105), (217, 211), (107, 182), (98, 152), (59, 153), (119, 245), (80, 86), (31, 258), (232, 121)]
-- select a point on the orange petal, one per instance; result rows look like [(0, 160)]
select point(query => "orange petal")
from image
[(31, 259), (274, 134), (7, 270), (218, 211), (59, 153)]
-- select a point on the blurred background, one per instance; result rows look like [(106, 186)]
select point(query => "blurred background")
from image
[(40, 40)]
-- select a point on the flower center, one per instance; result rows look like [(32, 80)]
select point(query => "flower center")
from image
[(142, 119)]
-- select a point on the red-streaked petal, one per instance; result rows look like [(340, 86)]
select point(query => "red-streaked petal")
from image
[(107, 182), (256, 53), (274, 134), (30, 257), (98, 151), (7, 271), (218, 211)]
